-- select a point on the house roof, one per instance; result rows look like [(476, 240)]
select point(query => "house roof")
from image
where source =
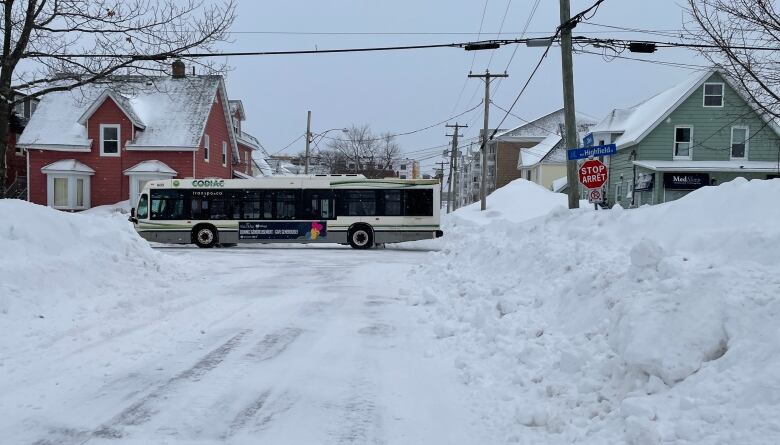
[(237, 105), (121, 102), (173, 111), (544, 126), (533, 155), (262, 165), (67, 165), (247, 139), (151, 166), (638, 121), (710, 166), (559, 184)]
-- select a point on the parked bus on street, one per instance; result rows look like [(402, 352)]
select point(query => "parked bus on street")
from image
[(343, 209)]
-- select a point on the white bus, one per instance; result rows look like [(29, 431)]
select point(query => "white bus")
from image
[(344, 209)]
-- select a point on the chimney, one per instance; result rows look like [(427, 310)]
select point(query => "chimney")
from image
[(178, 69)]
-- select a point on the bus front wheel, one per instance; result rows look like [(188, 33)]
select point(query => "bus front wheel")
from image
[(204, 236), (361, 237)]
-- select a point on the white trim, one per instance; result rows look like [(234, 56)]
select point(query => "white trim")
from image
[(129, 147), (71, 178), (60, 147), (118, 140), (722, 94), (747, 142), (674, 144), (224, 154), (28, 175), (131, 116), (736, 166), (206, 147)]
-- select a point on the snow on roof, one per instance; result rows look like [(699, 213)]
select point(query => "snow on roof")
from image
[(151, 166), (634, 123), (533, 155), (239, 175), (262, 165), (247, 139), (67, 165), (709, 166), (121, 102), (237, 105), (545, 125), (174, 111), (559, 184)]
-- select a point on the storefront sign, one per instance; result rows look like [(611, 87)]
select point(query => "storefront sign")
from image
[(309, 230), (644, 182), (686, 181)]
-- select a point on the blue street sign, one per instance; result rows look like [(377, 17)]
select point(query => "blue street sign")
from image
[(586, 152), (587, 141)]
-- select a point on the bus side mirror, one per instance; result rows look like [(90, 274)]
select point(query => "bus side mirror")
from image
[(132, 212)]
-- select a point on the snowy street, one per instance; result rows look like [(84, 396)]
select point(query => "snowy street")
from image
[(261, 345)]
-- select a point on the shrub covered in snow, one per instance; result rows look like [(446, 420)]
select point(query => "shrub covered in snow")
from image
[(654, 325)]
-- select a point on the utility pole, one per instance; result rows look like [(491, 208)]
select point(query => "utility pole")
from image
[(454, 162), (441, 181), (449, 181), (570, 118), (308, 141), (487, 77)]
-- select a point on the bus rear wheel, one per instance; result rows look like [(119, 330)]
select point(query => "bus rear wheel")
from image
[(204, 236), (361, 237)]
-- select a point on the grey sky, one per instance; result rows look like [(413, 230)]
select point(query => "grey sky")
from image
[(403, 91)]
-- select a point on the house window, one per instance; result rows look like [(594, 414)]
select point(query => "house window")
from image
[(739, 142), (109, 140), (206, 147), (403, 166), (70, 192), (246, 161), (224, 153), (402, 177), (683, 142), (713, 94), (19, 150)]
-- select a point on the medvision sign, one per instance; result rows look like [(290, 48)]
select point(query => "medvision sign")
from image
[(686, 181)]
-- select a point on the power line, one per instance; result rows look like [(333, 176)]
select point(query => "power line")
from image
[(514, 50), (288, 145), (473, 58), (498, 34)]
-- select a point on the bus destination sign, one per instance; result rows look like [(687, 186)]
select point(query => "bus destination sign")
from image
[(259, 230)]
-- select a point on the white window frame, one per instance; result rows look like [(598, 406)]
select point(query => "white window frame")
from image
[(747, 141), (224, 154), (674, 144), (71, 178), (704, 94), (206, 148), (19, 151), (118, 140)]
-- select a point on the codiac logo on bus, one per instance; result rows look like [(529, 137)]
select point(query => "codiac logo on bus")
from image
[(208, 183), (176, 182)]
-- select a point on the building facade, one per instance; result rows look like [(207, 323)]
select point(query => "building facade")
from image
[(701, 132), (101, 143)]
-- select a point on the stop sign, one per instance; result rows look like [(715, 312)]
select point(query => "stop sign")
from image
[(593, 174)]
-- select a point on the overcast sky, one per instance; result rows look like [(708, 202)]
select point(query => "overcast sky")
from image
[(406, 90)]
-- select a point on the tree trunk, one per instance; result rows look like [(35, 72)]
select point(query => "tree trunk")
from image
[(5, 115)]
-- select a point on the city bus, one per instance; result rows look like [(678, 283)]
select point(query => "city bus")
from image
[(343, 209)]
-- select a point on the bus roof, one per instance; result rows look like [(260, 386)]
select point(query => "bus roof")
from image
[(300, 181)]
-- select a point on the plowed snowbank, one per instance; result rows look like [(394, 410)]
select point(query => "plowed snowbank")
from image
[(652, 325)]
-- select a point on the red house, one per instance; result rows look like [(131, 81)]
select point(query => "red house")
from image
[(99, 144)]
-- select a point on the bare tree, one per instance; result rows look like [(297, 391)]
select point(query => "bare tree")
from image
[(59, 45), (387, 151), (737, 28), (357, 146)]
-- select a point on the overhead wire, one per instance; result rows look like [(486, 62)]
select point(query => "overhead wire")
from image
[(473, 59)]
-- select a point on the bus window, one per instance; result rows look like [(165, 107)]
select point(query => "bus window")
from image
[(357, 202), (252, 203), (316, 204), (391, 200), (418, 202), (168, 205), (286, 204), (143, 207)]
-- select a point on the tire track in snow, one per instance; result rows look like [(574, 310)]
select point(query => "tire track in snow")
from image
[(274, 344), (143, 410)]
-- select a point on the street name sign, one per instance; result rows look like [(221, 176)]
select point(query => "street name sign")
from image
[(593, 174), (573, 154)]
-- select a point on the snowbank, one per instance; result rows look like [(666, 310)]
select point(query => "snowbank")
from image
[(652, 325), (62, 271)]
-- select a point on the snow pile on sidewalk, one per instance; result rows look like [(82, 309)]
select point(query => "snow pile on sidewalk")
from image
[(61, 271), (654, 325)]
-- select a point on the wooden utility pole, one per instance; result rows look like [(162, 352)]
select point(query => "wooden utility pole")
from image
[(449, 180), (308, 141), (454, 162), (570, 117), (487, 77)]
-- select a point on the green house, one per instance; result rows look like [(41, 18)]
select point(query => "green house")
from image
[(701, 132)]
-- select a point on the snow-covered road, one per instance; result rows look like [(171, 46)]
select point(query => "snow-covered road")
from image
[(277, 345)]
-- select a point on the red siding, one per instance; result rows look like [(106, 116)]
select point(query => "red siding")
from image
[(218, 131), (242, 166), (109, 184)]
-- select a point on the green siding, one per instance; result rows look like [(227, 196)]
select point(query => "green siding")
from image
[(711, 142)]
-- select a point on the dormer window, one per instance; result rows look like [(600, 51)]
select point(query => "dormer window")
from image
[(109, 139), (713, 94)]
